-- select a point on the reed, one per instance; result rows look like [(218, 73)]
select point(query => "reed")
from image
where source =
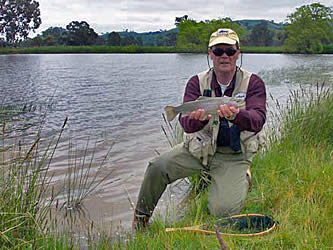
[(27, 198), (83, 176), (23, 185)]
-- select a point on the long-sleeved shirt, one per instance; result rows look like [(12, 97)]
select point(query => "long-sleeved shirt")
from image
[(252, 118)]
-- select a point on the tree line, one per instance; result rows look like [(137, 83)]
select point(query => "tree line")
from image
[(307, 30)]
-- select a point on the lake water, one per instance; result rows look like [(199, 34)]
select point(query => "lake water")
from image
[(119, 98)]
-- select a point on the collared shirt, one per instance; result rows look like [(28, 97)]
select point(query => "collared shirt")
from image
[(252, 118)]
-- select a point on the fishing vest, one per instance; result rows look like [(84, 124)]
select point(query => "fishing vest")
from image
[(203, 143)]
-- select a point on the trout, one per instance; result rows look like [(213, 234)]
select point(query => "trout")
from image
[(209, 104)]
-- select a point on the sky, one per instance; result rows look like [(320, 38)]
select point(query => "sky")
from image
[(154, 15)]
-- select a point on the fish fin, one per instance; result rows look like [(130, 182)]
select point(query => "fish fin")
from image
[(170, 113)]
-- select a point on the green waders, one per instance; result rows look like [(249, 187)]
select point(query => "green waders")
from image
[(228, 188)]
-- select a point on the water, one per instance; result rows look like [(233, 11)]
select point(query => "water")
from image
[(119, 98)]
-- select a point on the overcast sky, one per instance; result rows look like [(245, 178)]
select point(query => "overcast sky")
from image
[(153, 15)]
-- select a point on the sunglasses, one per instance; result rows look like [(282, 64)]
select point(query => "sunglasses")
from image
[(220, 52)]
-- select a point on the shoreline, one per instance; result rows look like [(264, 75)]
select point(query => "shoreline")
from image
[(133, 49)]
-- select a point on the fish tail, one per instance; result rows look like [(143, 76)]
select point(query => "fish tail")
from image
[(170, 113)]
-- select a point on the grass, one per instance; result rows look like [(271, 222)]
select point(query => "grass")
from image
[(23, 183), (130, 49), (27, 200), (328, 49), (123, 49), (82, 177)]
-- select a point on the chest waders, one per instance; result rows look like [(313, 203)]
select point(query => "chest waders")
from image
[(203, 143)]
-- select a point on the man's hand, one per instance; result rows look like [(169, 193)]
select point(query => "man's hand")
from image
[(200, 115), (228, 112)]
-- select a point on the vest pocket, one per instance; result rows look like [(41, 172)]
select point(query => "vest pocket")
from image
[(199, 144), (249, 142)]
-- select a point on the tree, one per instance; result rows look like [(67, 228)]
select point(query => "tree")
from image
[(261, 35), (127, 40), (310, 28), (195, 35), (178, 20), (55, 36), (18, 18), (113, 39), (80, 33)]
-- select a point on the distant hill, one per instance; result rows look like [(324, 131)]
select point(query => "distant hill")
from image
[(249, 24), (168, 37), (276, 34), (156, 38)]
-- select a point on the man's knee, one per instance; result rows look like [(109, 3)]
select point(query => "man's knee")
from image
[(156, 170), (224, 209), (226, 202)]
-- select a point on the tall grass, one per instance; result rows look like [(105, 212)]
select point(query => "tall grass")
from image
[(23, 185), (82, 177), (27, 198)]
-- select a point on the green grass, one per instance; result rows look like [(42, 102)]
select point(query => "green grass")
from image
[(123, 49), (328, 49), (28, 203), (136, 49)]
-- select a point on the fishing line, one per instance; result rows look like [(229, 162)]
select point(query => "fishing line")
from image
[(208, 60), (241, 59)]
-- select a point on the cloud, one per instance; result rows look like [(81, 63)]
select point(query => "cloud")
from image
[(151, 15)]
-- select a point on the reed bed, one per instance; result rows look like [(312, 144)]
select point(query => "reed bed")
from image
[(28, 202)]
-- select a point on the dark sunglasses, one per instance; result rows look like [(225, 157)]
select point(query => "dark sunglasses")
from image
[(220, 52)]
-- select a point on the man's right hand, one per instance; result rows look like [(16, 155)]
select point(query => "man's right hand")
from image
[(200, 115)]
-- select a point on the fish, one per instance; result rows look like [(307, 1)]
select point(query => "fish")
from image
[(209, 104)]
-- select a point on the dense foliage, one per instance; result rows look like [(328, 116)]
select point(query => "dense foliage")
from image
[(194, 34), (80, 33), (310, 28), (261, 35), (17, 19)]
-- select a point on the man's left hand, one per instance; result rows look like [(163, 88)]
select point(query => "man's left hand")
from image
[(228, 112)]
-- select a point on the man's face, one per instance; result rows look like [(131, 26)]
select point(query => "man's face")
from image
[(223, 63)]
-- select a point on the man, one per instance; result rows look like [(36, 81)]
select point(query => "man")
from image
[(222, 144)]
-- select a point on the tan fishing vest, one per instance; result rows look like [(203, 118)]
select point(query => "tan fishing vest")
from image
[(201, 144)]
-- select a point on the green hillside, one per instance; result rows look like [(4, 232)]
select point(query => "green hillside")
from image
[(155, 38), (249, 24), (169, 37)]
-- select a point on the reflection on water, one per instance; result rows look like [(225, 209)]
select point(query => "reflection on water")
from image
[(119, 98)]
